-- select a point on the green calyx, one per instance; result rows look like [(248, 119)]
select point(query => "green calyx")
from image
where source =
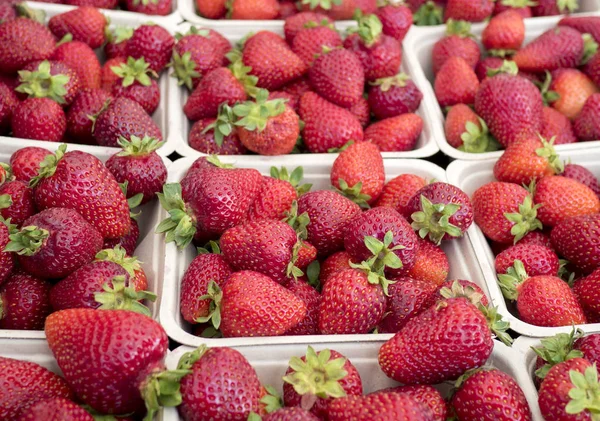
[(460, 28), (510, 281), (272, 400), (293, 270), (184, 68), (215, 295), (28, 241), (548, 96), (313, 270), (369, 29), (121, 297), (434, 220), (518, 4), (5, 201), (508, 66), (564, 273), (136, 146), (354, 193), (162, 389), (118, 34), (65, 39), (179, 226), (294, 178), (457, 290), (323, 4), (5, 173), (298, 222), (469, 373), (26, 12), (193, 31), (119, 256), (585, 394), (498, 52), (567, 6), (341, 148), (429, 14), (254, 115), (223, 126), (242, 74), (187, 360), (214, 160), (41, 84), (134, 71), (144, 2), (497, 325), (590, 48), (547, 151), (477, 138), (386, 83), (525, 220), (133, 202), (557, 349), (103, 417), (212, 245), (317, 377), (48, 165), (315, 24)]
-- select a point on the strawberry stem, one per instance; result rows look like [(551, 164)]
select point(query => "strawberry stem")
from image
[(254, 115), (460, 28), (134, 71), (525, 220), (119, 256), (509, 282), (136, 146), (41, 84), (294, 178), (386, 83), (121, 297), (354, 193), (458, 290), (28, 241), (184, 69), (433, 220), (48, 165), (369, 29), (215, 295), (179, 226), (497, 325)]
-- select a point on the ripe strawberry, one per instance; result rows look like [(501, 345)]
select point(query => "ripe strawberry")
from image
[(556, 125), (135, 82), (49, 79), (7, 12), (312, 299), (290, 414), (150, 7), (538, 238), (554, 350), (576, 239), (329, 375), (426, 395), (23, 41), (253, 9), (366, 7), (379, 54), (329, 213), (116, 41), (586, 291), (153, 43), (100, 4), (343, 10), (337, 261), (361, 111), (16, 202), (24, 302), (392, 96), (553, 7), (485, 65), (589, 346), (40, 119), (455, 83), (19, 391), (294, 24), (490, 393), (108, 78), (271, 60), (583, 175), (586, 124), (399, 190), (298, 87), (396, 19), (128, 241), (573, 88), (537, 260), (136, 374), (396, 406), (56, 409), (88, 102), (326, 126), (457, 42), (431, 264), (511, 106), (440, 211), (85, 24), (394, 134), (584, 24), (466, 131), (277, 194), (456, 288), (311, 42), (6, 258), (291, 100), (123, 117), (523, 7), (558, 47), (504, 34), (207, 142), (213, 9), (221, 384), (82, 59), (468, 11), (562, 198), (25, 162), (8, 102)]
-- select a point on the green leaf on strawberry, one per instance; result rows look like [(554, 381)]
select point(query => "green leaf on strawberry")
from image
[(48, 165), (28, 241), (585, 394), (525, 220), (254, 115), (42, 84), (429, 14), (178, 226), (134, 71), (121, 297), (433, 220), (557, 349), (354, 193), (215, 295)]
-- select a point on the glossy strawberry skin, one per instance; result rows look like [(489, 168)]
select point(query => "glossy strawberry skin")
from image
[(584, 24), (586, 290), (273, 200), (455, 83), (576, 239), (8, 102), (431, 264), (396, 406), (81, 58), (24, 41), (312, 298), (309, 42), (154, 43), (80, 339), (278, 138), (160, 8), (108, 78), (334, 263), (294, 24), (85, 24), (22, 206), (144, 174), (586, 123), (290, 414), (424, 394), (537, 260), (54, 410), (88, 102), (205, 142), (573, 88), (7, 262), (25, 302), (556, 125), (454, 46), (398, 191), (128, 241), (395, 134), (382, 59), (147, 96), (25, 162), (506, 31), (39, 119), (395, 19), (395, 101), (204, 52), (590, 346), (583, 175)]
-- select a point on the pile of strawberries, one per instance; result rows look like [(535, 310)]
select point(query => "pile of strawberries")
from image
[(302, 93), (67, 239), (147, 7), (54, 88), (550, 86)]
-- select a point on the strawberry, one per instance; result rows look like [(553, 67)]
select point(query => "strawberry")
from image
[(213, 9), (202, 138), (123, 117), (554, 350), (511, 106), (486, 64), (329, 213), (426, 395), (589, 346), (88, 102), (16, 202), (538, 238), (489, 392), (85, 24), (358, 173), (537, 260), (298, 87), (361, 111), (135, 82), (541, 300), (312, 299), (379, 54), (440, 211), (456, 288), (267, 127), (49, 79), (431, 264), (583, 175), (7, 262), (23, 41), (586, 124), (457, 42), (277, 194), (287, 8), (318, 379), (24, 384), (82, 59), (253, 9), (7, 12), (586, 290), (56, 409), (455, 83), (399, 190), (396, 19), (140, 166), (221, 384), (25, 162), (337, 76), (116, 41), (584, 24), (408, 298), (392, 96), (291, 100), (466, 131), (150, 7), (468, 11), (393, 406), (100, 4), (8, 103), (136, 374), (558, 47), (504, 34), (294, 24), (563, 198), (394, 134), (337, 261), (108, 78), (523, 7), (573, 88), (128, 241), (366, 7), (553, 7), (39, 118), (576, 239), (271, 60), (24, 302), (290, 414), (153, 43), (342, 10), (556, 125)]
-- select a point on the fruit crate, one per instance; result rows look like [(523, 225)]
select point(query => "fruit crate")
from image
[(179, 125), (150, 247), (271, 363), (417, 47), (463, 263), (117, 18), (470, 175)]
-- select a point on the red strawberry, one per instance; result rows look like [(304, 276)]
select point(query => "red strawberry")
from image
[(466, 131), (56, 409), (537, 260), (23, 41), (16, 202), (312, 298), (6, 258), (343, 10), (337, 261), (426, 395), (468, 11), (586, 124), (253, 9), (108, 78), (538, 238), (573, 88), (456, 288), (486, 64), (554, 350), (277, 194), (7, 12), (292, 101), (85, 24), (394, 134), (396, 20), (584, 24), (150, 7), (128, 241), (576, 239), (82, 59), (399, 190), (135, 82), (49, 79), (8, 103), (208, 143), (586, 290), (553, 7), (290, 414), (455, 83), (40, 119), (589, 346), (24, 302), (221, 384), (116, 41), (583, 175), (361, 111), (457, 42), (326, 126), (431, 264), (393, 406), (311, 41), (24, 384), (298, 87), (523, 7), (100, 4), (213, 9), (558, 47), (153, 43), (504, 34), (294, 24), (337, 377), (556, 125), (88, 102), (392, 96), (25, 162)]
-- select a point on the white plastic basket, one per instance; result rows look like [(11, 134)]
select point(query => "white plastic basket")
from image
[(469, 176), (179, 125), (463, 263), (417, 50), (271, 363), (150, 248), (118, 18)]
